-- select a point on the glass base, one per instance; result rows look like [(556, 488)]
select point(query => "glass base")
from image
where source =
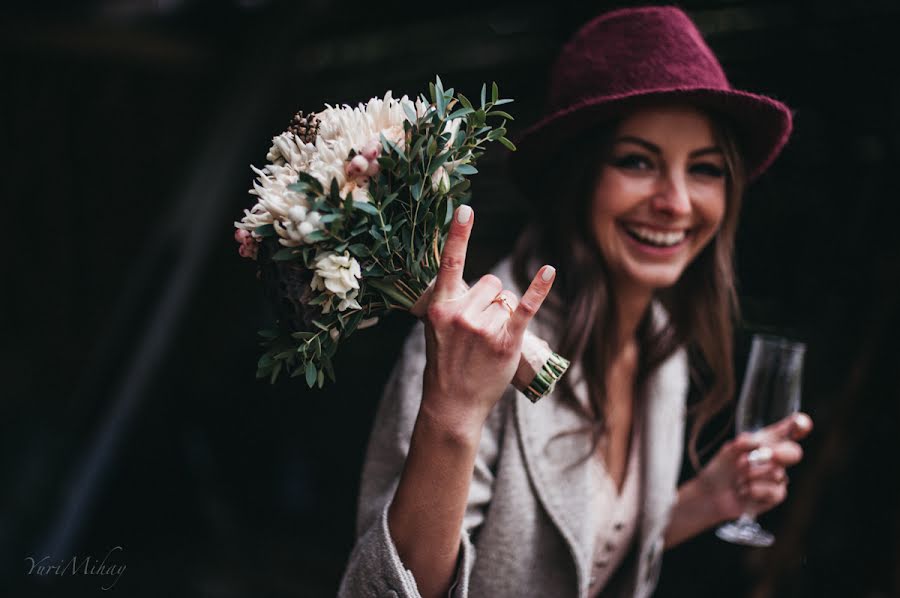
[(745, 531)]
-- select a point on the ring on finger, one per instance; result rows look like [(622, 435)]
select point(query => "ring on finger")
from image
[(502, 299)]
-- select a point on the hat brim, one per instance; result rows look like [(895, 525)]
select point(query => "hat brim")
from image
[(762, 125)]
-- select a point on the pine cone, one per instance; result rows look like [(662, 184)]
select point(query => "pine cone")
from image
[(306, 128)]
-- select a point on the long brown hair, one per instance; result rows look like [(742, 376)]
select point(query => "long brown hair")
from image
[(702, 304)]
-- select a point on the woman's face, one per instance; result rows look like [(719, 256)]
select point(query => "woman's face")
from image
[(659, 197)]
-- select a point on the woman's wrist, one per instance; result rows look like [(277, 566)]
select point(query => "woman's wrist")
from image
[(451, 421), (695, 511)]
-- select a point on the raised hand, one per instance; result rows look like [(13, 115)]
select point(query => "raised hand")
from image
[(473, 335), (748, 473)]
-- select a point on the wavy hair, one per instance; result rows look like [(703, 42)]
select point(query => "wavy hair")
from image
[(702, 305)]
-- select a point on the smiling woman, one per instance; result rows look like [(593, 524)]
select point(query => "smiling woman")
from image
[(659, 198), (635, 175)]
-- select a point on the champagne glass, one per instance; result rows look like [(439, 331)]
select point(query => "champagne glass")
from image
[(770, 392)]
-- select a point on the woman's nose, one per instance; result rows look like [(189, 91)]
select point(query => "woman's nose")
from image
[(672, 196)]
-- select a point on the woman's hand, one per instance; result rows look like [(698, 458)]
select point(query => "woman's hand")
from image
[(472, 346), (748, 473), (472, 340)]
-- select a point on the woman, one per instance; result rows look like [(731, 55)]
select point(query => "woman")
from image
[(470, 489)]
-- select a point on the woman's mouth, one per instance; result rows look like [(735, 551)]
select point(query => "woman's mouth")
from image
[(655, 238)]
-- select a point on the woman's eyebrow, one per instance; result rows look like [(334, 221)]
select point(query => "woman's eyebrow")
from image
[(652, 147)]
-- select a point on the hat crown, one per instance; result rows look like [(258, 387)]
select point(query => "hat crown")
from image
[(633, 51)]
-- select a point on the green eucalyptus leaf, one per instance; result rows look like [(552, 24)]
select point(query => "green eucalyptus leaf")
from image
[(366, 207), (310, 373), (460, 187), (286, 254), (417, 146), (501, 114), (437, 163), (389, 145), (415, 190), (464, 100), (310, 180), (275, 371), (507, 144), (466, 169), (460, 113), (317, 235), (388, 199), (483, 94), (359, 250), (266, 230), (410, 112), (495, 93), (387, 162)]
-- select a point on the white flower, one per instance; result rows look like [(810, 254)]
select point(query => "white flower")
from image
[(295, 229), (440, 181), (341, 129), (339, 275), (451, 126)]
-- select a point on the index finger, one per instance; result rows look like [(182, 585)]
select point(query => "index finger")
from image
[(453, 256), (531, 301)]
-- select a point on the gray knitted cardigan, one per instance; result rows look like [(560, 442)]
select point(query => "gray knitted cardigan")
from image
[(528, 529)]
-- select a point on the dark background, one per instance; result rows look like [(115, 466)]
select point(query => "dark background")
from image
[(130, 413)]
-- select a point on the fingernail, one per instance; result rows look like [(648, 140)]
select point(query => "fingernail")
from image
[(761, 455), (548, 273), (463, 214), (802, 421)]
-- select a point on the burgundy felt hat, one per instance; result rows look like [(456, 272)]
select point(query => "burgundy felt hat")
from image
[(625, 56)]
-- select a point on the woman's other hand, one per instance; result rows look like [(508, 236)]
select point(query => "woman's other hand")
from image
[(473, 338), (748, 474)]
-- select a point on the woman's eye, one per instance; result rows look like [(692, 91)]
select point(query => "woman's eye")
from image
[(708, 169), (633, 162)]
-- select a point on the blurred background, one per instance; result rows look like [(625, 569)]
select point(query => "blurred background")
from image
[(132, 426)]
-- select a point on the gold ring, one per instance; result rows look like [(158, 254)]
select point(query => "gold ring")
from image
[(501, 299)]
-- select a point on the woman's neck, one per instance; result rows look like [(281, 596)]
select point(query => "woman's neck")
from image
[(632, 303)]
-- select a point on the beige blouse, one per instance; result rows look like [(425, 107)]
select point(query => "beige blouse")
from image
[(619, 514)]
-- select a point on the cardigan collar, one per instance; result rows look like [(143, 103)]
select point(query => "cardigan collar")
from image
[(555, 439)]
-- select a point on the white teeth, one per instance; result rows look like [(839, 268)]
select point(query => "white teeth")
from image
[(665, 239)]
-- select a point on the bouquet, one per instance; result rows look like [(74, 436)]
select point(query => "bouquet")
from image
[(351, 215)]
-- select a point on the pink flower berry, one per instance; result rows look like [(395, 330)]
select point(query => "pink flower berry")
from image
[(240, 235), (373, 168), (357, 166), (372, 150)]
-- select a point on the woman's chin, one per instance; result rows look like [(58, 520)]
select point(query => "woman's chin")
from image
[(654, 277)]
